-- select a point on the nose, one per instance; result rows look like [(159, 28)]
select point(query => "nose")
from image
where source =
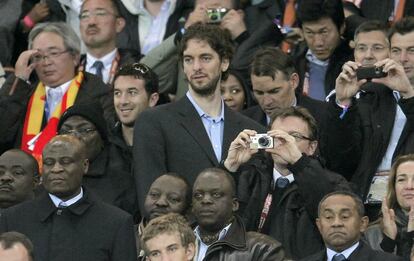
[(207, 199), (267, 101), (162, 201), (403, 56), (6, 177), (123, 99), (226, 96), (56, 168), (410, 183), (337, 222), (196, 65), (318, 40)]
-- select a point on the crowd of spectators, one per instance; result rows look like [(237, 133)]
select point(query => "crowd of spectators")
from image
[(206, 130)]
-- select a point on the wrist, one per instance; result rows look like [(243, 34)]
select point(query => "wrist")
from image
[(407, 95), (231, 167), (28, 21)]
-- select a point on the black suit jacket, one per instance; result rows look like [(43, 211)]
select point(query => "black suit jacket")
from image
[(362, 253), (172, 138), (87, 230), (315, 107)]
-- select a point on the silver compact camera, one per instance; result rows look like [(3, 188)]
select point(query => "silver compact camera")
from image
[(261, 141), (216, 14)]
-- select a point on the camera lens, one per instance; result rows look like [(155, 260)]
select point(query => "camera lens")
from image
[(213, 17), (263, 141)]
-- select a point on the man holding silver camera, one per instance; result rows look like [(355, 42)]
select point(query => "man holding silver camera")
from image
[(279, 194), (370, 118)]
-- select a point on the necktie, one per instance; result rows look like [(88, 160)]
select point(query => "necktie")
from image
[(289, 17), (339, 257), (282, 182), (98, 65)]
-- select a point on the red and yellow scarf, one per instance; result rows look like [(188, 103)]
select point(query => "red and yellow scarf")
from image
[(34, 115)]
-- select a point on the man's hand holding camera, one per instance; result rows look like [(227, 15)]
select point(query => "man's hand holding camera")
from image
[(284, 146), (347, 84), (396, 79), (240, 151)]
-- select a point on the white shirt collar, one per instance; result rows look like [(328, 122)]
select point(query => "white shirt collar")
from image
[(106, 60), (276, 175), (312, 59), (57, 201), (347, 252), (62, 88)]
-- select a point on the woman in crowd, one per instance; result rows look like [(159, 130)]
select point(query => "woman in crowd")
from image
[(394, 232), (235, 92)]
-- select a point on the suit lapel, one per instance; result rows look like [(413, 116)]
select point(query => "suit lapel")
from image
[(193, 124)]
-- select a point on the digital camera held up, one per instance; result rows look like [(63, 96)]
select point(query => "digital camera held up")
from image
[(216, 14), (261, 141)]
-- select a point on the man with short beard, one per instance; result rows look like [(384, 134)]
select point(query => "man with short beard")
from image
[(195, 132)]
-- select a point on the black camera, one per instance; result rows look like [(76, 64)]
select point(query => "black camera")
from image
[(370, 73), (216, 14)]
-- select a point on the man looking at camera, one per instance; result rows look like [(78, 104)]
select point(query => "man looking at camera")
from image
[(279, 194), (369, 119)]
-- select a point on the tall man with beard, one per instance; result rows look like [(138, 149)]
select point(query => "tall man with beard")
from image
[(195, 132)]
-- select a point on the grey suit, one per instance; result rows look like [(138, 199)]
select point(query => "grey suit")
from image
[(172, 138)]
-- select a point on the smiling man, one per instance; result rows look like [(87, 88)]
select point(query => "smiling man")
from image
[(66, 221), (30, 112), (195, 132)]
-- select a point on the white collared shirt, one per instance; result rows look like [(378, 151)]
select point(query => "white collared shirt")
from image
[(202, 248), (106, 60), (54, 96), (58, 202), (347, 252), (276, 175)]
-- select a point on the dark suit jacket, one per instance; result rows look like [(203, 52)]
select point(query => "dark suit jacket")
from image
[(172, 138), (315, 107), (87, 230), (362, 253), (13, 108)]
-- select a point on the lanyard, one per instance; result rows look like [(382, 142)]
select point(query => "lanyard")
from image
[(112, 71), (266, 208)]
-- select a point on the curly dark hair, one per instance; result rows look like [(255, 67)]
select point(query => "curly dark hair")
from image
[(218, 39)]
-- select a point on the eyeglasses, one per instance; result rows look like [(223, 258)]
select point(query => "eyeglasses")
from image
[(48, 55), (133, 69), (100, 13), (82, 131), (298, 137)]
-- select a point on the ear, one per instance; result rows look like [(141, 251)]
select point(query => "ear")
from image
[(364, 224), (120, 24), (153, 99), (294, 80), (190, 252), (318, 224), (85, 166), (235, 205), (225, 63), (76, 59), (313, 145)]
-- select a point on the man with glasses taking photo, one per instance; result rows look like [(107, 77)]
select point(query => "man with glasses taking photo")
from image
[(30, 111), (279, 191)]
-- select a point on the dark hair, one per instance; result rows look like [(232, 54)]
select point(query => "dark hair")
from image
[(299, 112), (403, 26), (226, 175), (357, 199), (248, 99), (267, 61), (314, 10), (188, 189), (370, 26), (218, 39), (30, 157), (140, 71), (9, 239)]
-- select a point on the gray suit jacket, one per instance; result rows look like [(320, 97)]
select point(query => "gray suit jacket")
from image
[(172, 138)]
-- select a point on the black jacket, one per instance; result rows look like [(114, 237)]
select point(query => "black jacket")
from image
[(362, 253), (291, 219), (87, 230), (355, 145), (241, 245)]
